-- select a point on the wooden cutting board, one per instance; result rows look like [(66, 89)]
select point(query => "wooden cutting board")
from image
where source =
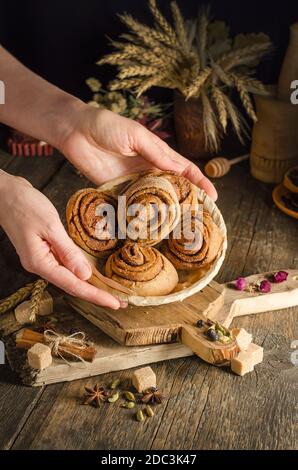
[(157, 333), (135, 326)]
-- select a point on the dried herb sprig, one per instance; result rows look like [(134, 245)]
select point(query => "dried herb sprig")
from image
[(37, 292), (16, 298)]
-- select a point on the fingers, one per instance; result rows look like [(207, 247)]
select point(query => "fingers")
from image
[(37, 257), (69, 283), (67, 252), (194, 174), (163, 157), (146, 144)]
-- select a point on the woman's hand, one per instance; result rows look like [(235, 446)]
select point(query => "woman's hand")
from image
[(104, 145), (33, 226)]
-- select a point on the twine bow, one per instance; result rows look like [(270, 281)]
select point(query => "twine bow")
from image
[(56, 342)]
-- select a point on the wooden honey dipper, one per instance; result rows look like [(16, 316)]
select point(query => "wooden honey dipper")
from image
[(220, 166)]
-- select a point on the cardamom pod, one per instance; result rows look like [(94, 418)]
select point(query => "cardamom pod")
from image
[(140, 416), (224, 339), (129, 396), (128, 405), (221, 328), (113, 398), (149, 411), (115, 384)]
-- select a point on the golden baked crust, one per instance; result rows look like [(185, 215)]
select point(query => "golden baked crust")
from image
[(82, 221), (142, 268), (203, 249), (159, 210), (185, 190)]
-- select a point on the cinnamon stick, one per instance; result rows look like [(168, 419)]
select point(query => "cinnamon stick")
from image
[(26, 338)]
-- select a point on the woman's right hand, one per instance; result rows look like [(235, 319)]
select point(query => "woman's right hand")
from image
[(33, 226)]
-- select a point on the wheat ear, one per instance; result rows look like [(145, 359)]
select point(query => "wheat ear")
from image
[(218, 97), (16, 298), (234, 117), (195, 87), (245, 98), (163, 23), (127, 84), (137, 70), (209, 123), (150, 82), (180, 26), (243, 55), (149, 36), (37, 292), (252, 84), (146, 56)]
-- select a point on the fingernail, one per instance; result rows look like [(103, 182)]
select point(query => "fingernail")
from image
[(84, 271), (115, 306)]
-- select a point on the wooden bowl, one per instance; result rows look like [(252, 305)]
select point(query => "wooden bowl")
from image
[(288, 183), (189, 283), (278, 194)]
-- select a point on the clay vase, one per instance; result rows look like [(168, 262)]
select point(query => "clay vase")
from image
[(274, 146), (188, 117), (289, 70)]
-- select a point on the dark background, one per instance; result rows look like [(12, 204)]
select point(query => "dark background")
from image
[(61, 40)]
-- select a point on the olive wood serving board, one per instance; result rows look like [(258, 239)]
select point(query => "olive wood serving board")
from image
[(135, 326)]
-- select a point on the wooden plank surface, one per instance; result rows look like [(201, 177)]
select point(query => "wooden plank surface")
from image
[(151, 325), (205, 407)]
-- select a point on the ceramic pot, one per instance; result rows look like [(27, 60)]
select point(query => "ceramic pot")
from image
[(188, 117), (274, 140)]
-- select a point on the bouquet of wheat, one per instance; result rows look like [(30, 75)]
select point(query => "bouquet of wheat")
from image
[(198, 59)]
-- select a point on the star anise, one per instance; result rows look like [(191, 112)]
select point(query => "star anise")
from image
[(46, 325), (152, 395), (95, 395)]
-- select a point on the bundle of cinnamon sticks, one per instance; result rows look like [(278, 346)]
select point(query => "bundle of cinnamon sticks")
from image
[(26, 338)]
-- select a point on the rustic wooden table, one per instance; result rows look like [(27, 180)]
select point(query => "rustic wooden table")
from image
[(205, 407)]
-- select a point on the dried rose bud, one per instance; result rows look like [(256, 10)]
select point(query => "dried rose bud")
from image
[(265, 286), (280, 276), (241, 283)]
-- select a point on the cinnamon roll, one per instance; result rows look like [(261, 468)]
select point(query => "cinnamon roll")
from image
[(142, 268), (91, 221), (197, 248), (151, 210), (185, 190)]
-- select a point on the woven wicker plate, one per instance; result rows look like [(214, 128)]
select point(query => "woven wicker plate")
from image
[(190, 283)]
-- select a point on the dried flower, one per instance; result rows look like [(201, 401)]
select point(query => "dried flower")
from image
[(241, 283), (280, 276), (265, 286), (93, 103), (93, 84)]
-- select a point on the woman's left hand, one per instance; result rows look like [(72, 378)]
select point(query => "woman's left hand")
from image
[(104, 145)]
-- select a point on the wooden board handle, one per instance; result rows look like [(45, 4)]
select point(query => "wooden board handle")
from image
[(238, 303), (212, 352)]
